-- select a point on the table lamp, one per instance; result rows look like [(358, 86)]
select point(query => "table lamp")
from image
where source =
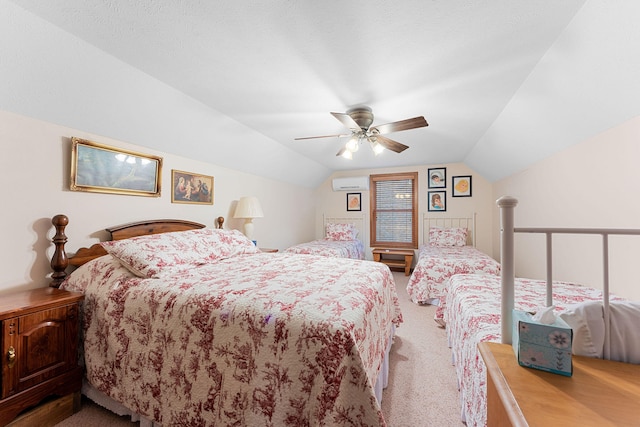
[(248, 208)]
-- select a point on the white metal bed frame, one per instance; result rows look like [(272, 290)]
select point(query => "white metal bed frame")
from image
[(469, 223), (507, 231)]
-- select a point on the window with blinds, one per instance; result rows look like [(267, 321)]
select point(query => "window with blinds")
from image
[(394, 210)]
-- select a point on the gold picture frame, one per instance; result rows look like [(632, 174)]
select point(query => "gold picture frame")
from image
[(191, 188), (99, 168)]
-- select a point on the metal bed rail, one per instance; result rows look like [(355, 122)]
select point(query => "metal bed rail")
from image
[(507, 259)]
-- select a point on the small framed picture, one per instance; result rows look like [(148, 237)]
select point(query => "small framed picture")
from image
[(191, 188), (437, 177), (437, 201), (461, 186), (354, 202)]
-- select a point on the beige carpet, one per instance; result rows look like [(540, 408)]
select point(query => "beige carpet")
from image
[(422, 389)]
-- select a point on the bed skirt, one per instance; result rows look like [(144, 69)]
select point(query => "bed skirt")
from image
[(119, 409)]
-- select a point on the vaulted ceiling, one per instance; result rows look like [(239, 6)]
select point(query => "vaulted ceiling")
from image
[(502, 83)]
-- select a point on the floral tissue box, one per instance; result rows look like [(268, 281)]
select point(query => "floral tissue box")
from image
[(542, 346)]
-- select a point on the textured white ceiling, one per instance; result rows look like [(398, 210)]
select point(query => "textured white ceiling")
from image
[(502, 83)]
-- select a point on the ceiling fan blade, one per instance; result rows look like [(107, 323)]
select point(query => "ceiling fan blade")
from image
[(346, 120), (416, 122), (341, 152), (390, 144), (322, 136)]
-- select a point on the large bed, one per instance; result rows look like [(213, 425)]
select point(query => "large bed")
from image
[(198, 327), (343, 238), (448, 249), (479, 308)]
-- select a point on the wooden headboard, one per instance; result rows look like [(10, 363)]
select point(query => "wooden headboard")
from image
[(60, 261)]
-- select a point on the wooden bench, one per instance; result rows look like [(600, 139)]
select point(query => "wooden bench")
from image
[(380, 255)]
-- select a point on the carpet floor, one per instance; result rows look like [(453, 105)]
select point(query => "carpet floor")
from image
[(422, 388)]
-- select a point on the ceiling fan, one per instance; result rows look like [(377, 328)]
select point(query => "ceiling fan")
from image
[(358, 120)]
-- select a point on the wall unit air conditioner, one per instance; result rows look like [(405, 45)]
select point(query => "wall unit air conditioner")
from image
[(351, 183)]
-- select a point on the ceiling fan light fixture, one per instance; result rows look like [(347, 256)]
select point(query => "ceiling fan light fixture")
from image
[(376, 147), (359, 121), (353, 144)]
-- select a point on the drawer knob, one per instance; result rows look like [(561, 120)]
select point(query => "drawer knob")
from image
[(11, 357)]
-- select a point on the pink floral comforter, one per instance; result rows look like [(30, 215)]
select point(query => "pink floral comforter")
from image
[(332, 248), (472, 315), (436, 264), (259, 339)]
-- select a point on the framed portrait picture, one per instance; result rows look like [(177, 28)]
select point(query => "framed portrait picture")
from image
[(354, 201), (461, 186), (437, 177), (100, 168), (437, 201), (191, 188)]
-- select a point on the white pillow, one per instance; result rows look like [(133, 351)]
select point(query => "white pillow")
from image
[(587, 321), (583, 318)]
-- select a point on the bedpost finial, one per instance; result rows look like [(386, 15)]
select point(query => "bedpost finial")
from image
[(507, 202), (219, 222), (60, 220)]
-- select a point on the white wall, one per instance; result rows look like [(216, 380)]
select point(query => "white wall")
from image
[(481, 201), (593, 184), (49, 74), (35, 167)]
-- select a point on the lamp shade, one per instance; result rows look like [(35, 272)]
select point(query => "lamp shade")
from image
[(248, 207)]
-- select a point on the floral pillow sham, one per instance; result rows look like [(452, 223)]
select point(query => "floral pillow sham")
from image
[(155, 254), (443, 237), (341, 232)]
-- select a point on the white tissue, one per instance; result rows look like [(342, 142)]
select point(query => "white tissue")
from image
[(545, 316)]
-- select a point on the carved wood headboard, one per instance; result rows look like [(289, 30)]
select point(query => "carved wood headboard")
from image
[(60, 261)]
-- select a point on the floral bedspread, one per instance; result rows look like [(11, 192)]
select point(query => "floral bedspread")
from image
[(332, 248), (259, 339), (436, 264), (472, 315)]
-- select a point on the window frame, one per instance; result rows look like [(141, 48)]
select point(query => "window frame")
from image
[(373, 179)]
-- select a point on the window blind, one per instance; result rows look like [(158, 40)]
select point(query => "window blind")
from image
[(393, 213)]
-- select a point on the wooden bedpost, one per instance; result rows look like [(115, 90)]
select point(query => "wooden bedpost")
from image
[(507, 270), (219, 222), (59, 260)]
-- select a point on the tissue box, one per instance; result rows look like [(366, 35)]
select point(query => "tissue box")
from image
[(542, 346)]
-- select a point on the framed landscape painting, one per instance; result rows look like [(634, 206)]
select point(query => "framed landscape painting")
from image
[(103, 169)]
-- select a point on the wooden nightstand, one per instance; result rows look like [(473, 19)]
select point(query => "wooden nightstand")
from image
[(599, 393), (404, 260), (39, 344)]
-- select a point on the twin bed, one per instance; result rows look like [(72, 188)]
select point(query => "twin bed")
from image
[(472, 316), (478, 308), (343, 238), (201, 328), (448, 248)]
